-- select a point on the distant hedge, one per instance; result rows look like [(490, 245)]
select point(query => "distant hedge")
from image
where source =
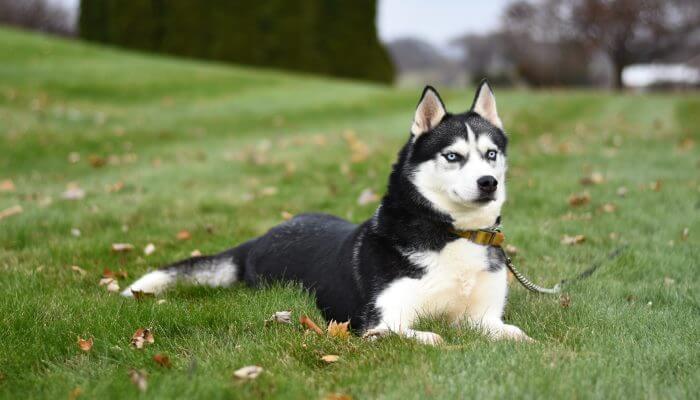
[(331, 37)]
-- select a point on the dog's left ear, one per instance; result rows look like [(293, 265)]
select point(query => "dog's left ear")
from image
[(485, 104)]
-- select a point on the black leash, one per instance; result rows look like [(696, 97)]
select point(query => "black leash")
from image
[(529, 285)]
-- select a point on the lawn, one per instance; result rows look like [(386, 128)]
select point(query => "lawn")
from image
[(160, 146)]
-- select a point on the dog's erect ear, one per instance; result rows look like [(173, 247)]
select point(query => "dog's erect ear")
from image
[(485, 104), (429, 113)]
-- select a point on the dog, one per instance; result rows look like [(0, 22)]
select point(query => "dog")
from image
[(409, 259)]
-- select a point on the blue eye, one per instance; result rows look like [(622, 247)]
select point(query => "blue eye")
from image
[(452, 157), (491, 154)]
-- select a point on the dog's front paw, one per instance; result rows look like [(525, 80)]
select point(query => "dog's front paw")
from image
[(510, 332), (429, 338), (376, 333)]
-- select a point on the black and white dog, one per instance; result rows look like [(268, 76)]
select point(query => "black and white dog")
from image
[(408, 259)]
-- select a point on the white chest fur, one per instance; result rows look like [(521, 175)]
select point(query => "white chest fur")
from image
[(447, 287)]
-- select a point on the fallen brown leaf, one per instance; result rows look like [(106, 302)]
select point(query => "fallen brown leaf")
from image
[(685, 234), (595, 178), (359, 151), (116, 187), (122, 247), (149, 249), (330, 358), (85, 344), (579, 199), (7, 186), (8, 212), (309, 324), (121, 274), (142, 337), (96, 161), (77, 269), (184, 235), (656, 186), (338, 330), (141, 295), (74, 157), (286, 215), (622, 191), (367, 197), (565, 300), (248, 372), (609, 208), (75, 393), (73, 192), (337, 396), (282, 317), (111, 284), (195, 253), (139, 378), (269, 191), (163, 360), (572, 240)]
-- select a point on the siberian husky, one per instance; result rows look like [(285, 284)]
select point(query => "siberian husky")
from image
[(409, 258)]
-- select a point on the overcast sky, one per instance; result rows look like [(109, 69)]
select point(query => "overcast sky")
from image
[(436, 21)]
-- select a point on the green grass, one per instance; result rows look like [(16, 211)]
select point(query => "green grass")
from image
[(197, 145)]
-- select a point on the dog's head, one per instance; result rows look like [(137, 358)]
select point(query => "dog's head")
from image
[(457, 162)]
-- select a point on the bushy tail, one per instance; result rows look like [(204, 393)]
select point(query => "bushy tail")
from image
[(219, 270)]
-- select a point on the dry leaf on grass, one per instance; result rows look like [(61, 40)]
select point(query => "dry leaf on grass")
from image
[(685, 234), (367, 197), (111, 284), (595, 178), (75, 232), (622, 191), (359, 151), (140, 294), (579, 199), (248, 372), (286, 215), (73, 192), (8, 212), (338, 330), (74, 157), (337, 396), (108, 273), (565, 300), (163, 360), (77, 269), (330, 358), (269, 191), (75, 393), (195, 253), (184, 235), (142, 337), (656, 186), (149, 249), (609, 208), (122, 247), (510, 249), (669, 281), (96, 161), (282, 317), (7, 186), (572, 240), (139, 378), (85, 344), (309, 324)]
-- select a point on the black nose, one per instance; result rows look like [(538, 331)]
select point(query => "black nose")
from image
[(487, 184)]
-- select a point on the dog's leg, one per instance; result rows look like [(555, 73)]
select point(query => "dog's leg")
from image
[(486, 304), (399, 306)]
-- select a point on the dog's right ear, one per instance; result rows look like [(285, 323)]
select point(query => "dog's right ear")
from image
[(429, 112)]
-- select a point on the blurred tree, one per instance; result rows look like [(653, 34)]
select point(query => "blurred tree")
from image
[(320, 36), (627, 31)]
